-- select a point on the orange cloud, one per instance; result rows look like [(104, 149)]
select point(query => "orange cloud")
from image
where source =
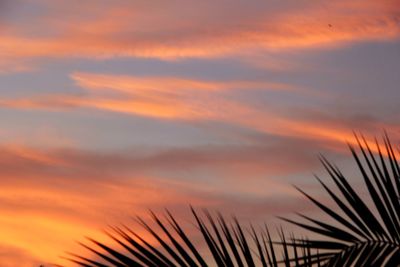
[(11, 257), (165, 98), (195, 100), (50, 198), (126, 32), (158, 108), (135, 85), (34, 155), (45, 207), (47, 220)]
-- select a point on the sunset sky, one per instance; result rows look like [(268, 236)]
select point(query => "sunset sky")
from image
[(109, 108)]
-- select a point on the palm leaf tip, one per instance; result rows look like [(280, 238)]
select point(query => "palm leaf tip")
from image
[(364, 237), (228, 244), (357, 235)]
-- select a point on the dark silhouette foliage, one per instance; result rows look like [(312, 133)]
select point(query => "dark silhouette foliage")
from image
[(362, 237), (229, 244), (355, 235)]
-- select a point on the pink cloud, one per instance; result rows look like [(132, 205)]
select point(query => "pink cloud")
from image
[(190, 29), (171, 98), (46, 206)]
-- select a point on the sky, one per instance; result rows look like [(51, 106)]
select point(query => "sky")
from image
[(111, 108)]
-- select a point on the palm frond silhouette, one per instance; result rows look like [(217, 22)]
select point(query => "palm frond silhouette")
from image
[(362, 237), (228, 244), (355, 236)]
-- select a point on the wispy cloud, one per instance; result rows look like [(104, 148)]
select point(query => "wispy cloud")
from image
[(125, 31), (11, 256), (136, 85), (159, 97), (245, 80), (173, 98), (34, 191), (108, 187)]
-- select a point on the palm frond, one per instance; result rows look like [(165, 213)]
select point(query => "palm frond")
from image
[(362, 237), (229, 244), (356, 236)]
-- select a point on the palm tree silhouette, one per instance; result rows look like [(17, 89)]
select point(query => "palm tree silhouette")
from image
[(355, 236), (364, 238)]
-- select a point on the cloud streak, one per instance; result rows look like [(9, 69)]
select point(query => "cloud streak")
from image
[(220, 104), (135, 85), (161, 35), (36, 218), (179, 99)]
